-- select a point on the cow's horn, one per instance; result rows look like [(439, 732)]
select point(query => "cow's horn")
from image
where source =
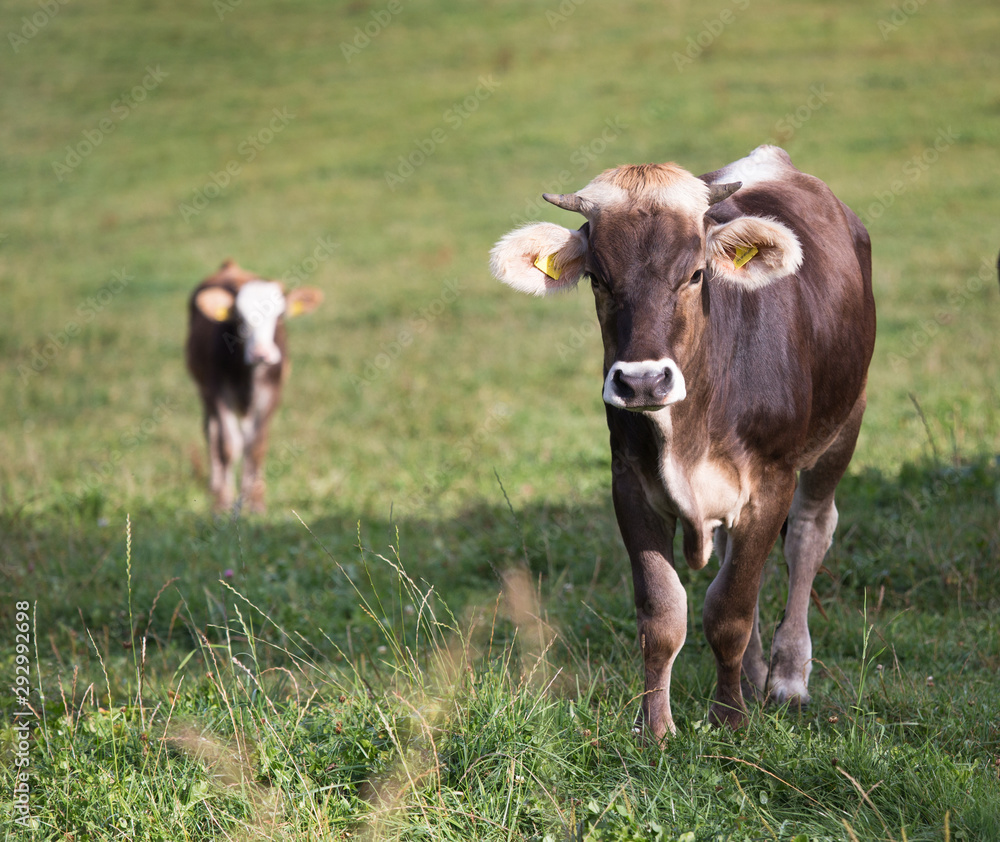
[(718, 192), (566, 201)]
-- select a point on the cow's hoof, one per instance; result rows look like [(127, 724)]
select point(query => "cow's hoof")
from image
[(726, 716), (646, 736), (790, 694)]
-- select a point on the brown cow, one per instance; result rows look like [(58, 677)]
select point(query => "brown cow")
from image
[(738, 323), (236, 354)]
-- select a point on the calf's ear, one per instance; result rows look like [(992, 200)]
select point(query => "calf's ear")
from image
[(540, 258), (215, 303), (303, 300), (752, 251)]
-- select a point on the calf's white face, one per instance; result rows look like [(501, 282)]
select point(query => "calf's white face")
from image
[(260, 304), (254, 311)]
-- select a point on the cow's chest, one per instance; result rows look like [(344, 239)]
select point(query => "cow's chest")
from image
[(702, 492)]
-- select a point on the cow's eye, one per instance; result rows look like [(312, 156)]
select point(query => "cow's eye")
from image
[(698, 277)]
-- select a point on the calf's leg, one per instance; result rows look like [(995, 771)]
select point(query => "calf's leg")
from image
[(225, 441), (252, 486), (256, 426)]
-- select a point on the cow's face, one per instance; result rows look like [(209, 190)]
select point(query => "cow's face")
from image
[(649, 250), (260, 305), (256, 310)]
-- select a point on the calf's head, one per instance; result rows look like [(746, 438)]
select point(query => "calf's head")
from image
[(256, 310), (649, 248)]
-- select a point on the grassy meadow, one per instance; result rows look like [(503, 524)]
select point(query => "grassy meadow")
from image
[(430, 635)]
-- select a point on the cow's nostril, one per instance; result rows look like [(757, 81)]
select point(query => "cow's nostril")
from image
[(621, 384), (653, 383), (663, 383)]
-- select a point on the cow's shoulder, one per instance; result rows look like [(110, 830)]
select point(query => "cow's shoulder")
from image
[(772, 185), (831, 235), (766, 164)]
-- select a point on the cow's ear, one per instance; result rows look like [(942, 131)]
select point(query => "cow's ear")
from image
[(215, 303), (540, 258), (752, 251), (303, 300)]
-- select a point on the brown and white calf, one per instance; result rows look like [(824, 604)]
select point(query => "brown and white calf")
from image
[(236, 353), (738, 323)]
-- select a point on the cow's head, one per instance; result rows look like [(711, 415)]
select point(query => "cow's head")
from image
[(255, 311), (649, 248)]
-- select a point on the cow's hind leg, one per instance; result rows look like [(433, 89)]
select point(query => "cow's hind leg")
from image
[(811, 523)]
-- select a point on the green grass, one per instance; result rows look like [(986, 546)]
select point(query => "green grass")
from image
[(345, 665)]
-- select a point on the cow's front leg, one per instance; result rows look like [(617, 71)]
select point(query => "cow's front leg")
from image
[(225, 441), (252, 486), (660, 598), (754, 663), (731, 601), (256, 426)]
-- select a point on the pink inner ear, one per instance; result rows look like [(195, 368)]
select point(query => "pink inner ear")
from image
[(215, 303), (778, 251), (513, 258), (303, 300)]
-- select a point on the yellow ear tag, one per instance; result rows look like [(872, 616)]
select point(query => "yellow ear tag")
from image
[(296, 309), (743, 256), (547, 264), (222, 314)]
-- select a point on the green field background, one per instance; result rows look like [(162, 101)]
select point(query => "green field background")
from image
[(377, 151), (569, 98)]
